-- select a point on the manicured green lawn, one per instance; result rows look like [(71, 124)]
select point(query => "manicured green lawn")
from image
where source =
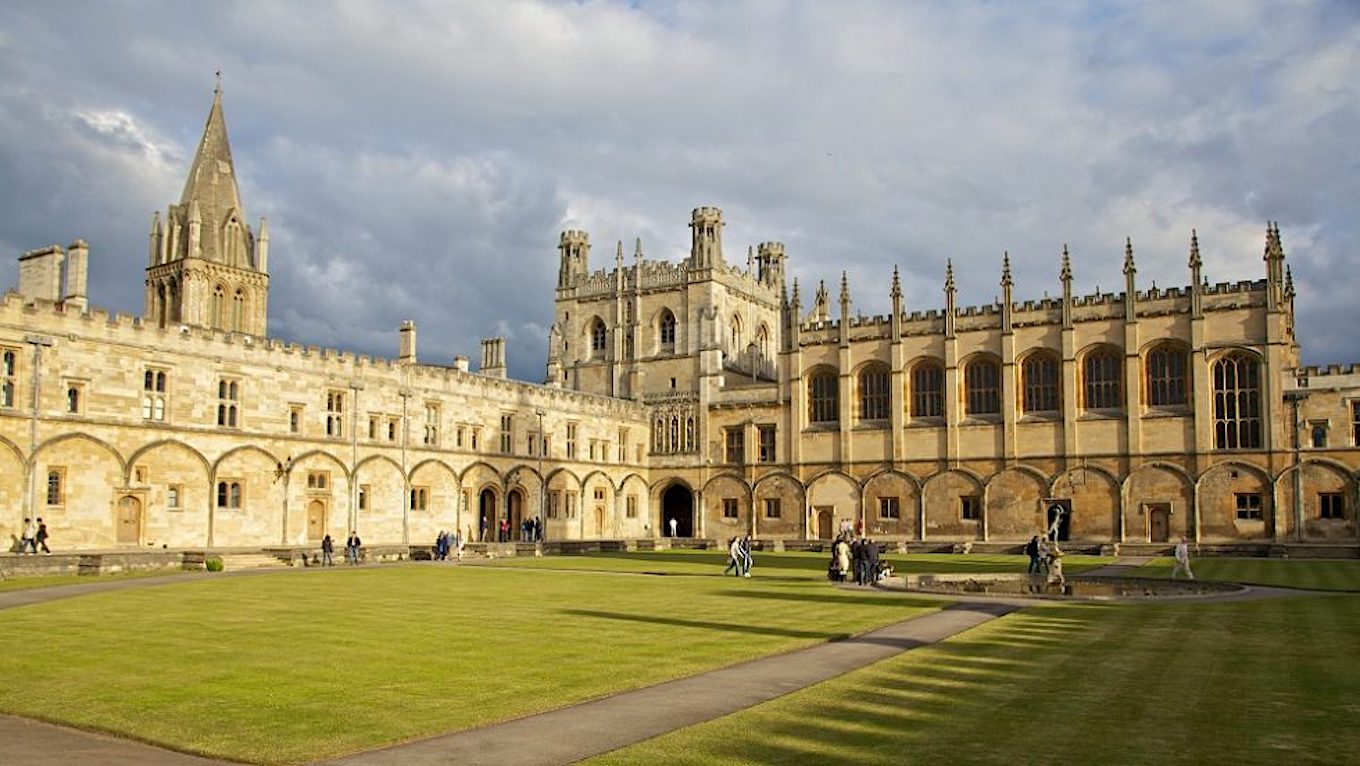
[(298, 666), (1264, 682), (1313, 574)]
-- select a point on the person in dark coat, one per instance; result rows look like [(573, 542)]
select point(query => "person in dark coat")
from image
[(352, 547), (857, 559), (1032, 550), (870, 562), (327, 551)]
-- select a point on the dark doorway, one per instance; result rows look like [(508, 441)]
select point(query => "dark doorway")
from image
[(486, 507), (516, 515), (1059, 515), (1159, 522), (677, 503)]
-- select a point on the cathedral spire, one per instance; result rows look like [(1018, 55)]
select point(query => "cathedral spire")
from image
[(211, 184)]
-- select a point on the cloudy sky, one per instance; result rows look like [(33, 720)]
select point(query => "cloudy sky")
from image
[(418, 159)]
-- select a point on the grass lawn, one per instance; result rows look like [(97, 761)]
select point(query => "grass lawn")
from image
[(297, 666), (1314, 574), (1264, 682)]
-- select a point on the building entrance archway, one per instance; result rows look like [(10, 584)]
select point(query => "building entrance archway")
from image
[(1159, 522), (515, 513), (129, 520), (488, 518), (677, 504)]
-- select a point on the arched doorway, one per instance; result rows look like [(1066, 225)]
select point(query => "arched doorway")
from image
[(824, 523), (316, 520), (129, 520), (1159, 522), (516, 514), (486, 511), (677, 503)]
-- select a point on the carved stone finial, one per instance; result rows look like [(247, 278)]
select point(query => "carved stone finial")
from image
[(1066, 273), (949, 275), (1128, 256), (1195, 261), (1006, 269), (896, 285)]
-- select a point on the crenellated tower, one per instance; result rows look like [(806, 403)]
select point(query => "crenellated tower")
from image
[(207, 268), (705, 250)]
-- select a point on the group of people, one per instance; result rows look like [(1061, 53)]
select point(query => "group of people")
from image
[(352, 545), (1045, 558), (33, 536), (739, 561), (447, 541), (530, 530), (858, 558)]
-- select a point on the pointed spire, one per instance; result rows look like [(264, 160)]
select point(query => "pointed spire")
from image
[(1006, 269), (797, 296), (845, 291), (1288, 282), (750, 259), (637, 249), (1128, 256), (949, 275), (211, 185), (1195, 261), (618, 255), (1066, 273), (896, 292)]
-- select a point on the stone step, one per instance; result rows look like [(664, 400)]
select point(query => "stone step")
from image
[(232, 562)]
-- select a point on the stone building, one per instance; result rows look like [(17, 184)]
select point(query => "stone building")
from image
[(701, 392)]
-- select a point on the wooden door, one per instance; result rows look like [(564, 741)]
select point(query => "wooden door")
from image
[(824, 522), (1159, 522), (129, 520), (316, 520)]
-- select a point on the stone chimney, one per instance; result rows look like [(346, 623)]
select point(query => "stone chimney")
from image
[(493, 357), (40, 273), (77, 276), (408, 342), (460, 363)]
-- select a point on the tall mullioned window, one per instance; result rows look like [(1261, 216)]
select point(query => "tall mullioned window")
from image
[(507, 433), (736, 445), (153, 395), (1040, 381), (982, 387), (873, 393), (335, 414), (823, 398), (432, 425), (1103, 378), (767, 443), (228, 403), (1355, 423), (1166, 367), (667, 329), (9, 377), (599, 338), (1237, 402), (927, 390)]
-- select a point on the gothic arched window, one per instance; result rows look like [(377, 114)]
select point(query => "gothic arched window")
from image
[(1103, 380), (982, 387), (1166, 378), (1237, 402), (927, 390), (667, 330), (1039, 375), (873, 393), (823, 397)]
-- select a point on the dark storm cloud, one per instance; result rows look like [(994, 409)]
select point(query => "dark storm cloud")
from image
[(417, 160)]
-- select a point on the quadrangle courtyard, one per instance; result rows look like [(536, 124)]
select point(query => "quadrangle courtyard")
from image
[(293, 667)]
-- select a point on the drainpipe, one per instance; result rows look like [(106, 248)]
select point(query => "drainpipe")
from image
[(356, 386), (30, 498), (405, 480), (1294, 398)]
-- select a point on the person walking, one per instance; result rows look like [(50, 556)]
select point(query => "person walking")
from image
[(1182, 560), (26, 536), (1044, 547), (40, 537), (1032, 550), (352, 548), (733, 557), (857, 559), (870, 562), (746, 561), (458, 544), (327, 551)]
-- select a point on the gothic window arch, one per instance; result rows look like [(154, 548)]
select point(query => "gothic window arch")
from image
[(218, 306), (763, 341), (927, 389), (1103, 379), (736, 347), (8, 376), (874, 398), (238, 310), (823, 392), (982, 387), (599, 338), (666, 330), (1166, 376), (1040, 386), (1237, 401)]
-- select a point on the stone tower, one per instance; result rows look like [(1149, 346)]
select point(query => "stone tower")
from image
[(207, 268)]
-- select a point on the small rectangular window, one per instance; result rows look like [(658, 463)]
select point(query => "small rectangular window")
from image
[(56, 485), (139, 474), (9, 376), (295, 419), (228, 403), (459, 436), (365, 490), (432, 424), (393, 428), (623, 445), (767, 445), (420, 498), (571, 441), (890, 508), (970, 507), (173, 495), (507, 433), (735, 452), (373, 427), (1317, 433), (75, 398), (153, 395), (335, 414), (729, 506), (318, 481), (772, 509), (1355, 423), (1331, 505), (632, 505), (1249, 506)]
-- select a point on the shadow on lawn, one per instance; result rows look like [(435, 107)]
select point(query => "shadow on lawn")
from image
[(759, 630), (858, 598)]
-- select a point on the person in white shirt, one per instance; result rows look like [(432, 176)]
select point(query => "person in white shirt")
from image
[(1182, 561)]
